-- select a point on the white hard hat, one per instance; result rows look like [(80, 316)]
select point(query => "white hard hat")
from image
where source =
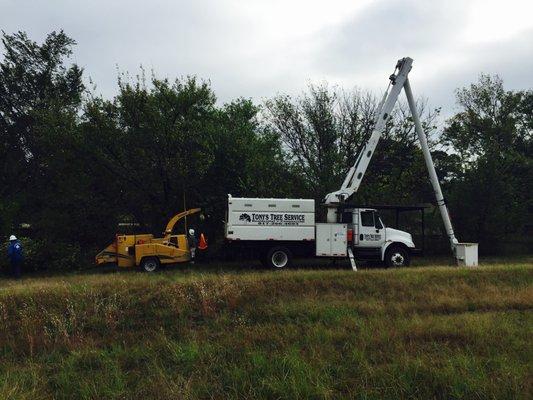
[(12, 237), (191, 231)]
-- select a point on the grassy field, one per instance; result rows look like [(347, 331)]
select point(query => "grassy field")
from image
[(436, 332)]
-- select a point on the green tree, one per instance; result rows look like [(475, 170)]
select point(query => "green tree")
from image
[(163, 146), (324, 130), (39, 100), (492, 136), (151, 146)]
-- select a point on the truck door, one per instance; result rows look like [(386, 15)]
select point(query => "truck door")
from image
[(371, 232)]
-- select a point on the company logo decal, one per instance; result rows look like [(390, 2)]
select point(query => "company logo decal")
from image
[(245, 217), (373, 238)]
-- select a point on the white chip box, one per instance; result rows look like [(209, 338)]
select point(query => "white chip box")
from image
[(270, 219)]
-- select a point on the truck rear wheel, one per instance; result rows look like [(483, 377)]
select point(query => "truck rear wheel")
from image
[(397, 256), (150, 264), (279, 257)]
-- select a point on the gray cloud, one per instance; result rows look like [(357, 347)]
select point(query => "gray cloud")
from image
[(511, 59), (257, 49), (389, 30)]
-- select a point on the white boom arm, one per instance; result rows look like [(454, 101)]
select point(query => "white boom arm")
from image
[(357, 171)]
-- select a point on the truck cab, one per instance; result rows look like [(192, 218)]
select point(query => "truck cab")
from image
[(373, 241)]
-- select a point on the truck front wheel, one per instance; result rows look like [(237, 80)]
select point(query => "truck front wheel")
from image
[(150, 264), (279, 257), (397, 256)]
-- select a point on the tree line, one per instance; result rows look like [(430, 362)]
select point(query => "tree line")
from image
[(76, 164)]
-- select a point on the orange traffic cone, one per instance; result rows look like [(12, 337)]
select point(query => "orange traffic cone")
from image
[(203, 243)]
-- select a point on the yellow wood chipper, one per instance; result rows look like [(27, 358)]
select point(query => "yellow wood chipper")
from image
[(146, 251)]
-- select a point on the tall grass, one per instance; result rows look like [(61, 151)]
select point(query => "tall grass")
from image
[(415, 333)]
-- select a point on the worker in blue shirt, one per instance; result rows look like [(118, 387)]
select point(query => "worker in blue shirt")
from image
[(14, 252)]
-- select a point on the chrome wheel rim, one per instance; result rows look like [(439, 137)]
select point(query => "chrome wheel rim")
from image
[(280, 259), (397, 259)]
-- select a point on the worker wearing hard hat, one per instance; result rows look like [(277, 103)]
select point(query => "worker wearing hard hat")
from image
[(14, 252), (193, 243)]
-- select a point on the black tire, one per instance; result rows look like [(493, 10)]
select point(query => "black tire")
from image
[(150, 264), (397, 257), (279, 257)]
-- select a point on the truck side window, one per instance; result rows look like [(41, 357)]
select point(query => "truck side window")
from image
[(367, 218)]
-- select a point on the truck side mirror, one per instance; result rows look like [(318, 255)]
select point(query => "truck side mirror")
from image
[(377, 222)]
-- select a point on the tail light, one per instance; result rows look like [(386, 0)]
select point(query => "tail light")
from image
[(350, 235)]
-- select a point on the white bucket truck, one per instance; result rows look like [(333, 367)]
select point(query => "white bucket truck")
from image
[(276, 230), (280, 228)]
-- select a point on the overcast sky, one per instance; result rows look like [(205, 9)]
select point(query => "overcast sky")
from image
[(258, 48)]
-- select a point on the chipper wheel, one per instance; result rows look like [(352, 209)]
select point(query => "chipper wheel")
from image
[(150, 264)]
